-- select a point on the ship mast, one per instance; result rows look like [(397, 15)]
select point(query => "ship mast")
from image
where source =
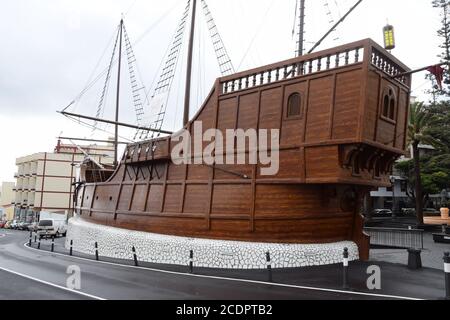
[(301, 33), (116, 132), (187, 95)]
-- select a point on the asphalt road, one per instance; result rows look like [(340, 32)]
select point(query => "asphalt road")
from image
[(14, 287), (109, 281)]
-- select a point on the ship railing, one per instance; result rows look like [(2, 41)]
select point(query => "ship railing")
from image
[(383, 63), (364, 51)]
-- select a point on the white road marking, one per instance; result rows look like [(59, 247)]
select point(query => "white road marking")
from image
[(232, 279), (52, 284)]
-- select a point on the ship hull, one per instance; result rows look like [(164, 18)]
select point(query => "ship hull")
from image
[(283, 214), (341, 119)]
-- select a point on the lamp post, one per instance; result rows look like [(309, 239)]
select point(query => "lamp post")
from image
[(394, 199), (389, 38)]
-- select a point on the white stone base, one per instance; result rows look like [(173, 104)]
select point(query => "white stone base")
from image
[(157, 248)]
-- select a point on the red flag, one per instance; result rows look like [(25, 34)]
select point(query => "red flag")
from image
[(438, 73)]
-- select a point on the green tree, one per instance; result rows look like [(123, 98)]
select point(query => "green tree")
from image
[(440, 130), (444, 34), (420, 121), (435, 174)]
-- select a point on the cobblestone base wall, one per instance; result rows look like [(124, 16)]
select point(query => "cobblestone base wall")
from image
[(156, 248)]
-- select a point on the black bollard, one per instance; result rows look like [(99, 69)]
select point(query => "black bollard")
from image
[(31, 237), (53, 244), (35, 239), (447, 275), (269, 266), (191, 261), (71, 245), (96, 251), (414, 259), (39, 243), (345, 270), (135, 256)]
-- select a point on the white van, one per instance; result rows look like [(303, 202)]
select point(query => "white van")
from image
[(51, 228)]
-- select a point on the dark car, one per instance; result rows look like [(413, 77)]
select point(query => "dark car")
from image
[(382, 213), (410, 212), (23, 225)]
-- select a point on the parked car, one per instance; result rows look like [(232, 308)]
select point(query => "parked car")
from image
[(426, 212), (24, 226), (14, 224), (408, 211), (2, 224), (51, 228), (33, 226), (7, 225), (382, 213)]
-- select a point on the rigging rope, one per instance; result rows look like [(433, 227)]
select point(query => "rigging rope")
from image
[(104, 71), (90, 126), (331, 20), (225, 64), (91, 76), (108, 77), (263, 21), (167, 75), (164, 84), (136, 87)]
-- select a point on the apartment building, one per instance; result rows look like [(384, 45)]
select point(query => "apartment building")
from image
[(44, 180), (7, 200)]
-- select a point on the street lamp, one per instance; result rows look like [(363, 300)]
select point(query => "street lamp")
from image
[(389, 38), (394, 199)]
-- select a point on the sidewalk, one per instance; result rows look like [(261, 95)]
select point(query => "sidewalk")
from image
[(432, 253)]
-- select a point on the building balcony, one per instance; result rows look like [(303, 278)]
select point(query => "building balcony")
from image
[(16, 175)]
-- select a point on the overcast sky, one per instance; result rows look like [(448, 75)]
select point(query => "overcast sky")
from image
[(51, 48)]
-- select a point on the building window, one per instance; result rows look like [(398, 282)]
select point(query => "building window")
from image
[(389, 102), (294, 105)]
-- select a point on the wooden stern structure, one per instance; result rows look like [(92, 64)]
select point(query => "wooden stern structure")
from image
[(340, 140)]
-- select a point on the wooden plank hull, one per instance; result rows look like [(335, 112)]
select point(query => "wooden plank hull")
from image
[(286, 214), (336, 143)]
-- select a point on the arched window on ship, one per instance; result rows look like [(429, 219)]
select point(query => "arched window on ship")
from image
[(294, 106), (389, 103)]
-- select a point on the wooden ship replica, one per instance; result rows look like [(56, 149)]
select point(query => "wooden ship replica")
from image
[(342, 115)]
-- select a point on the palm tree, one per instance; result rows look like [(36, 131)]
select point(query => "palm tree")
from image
[(420, 120)]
